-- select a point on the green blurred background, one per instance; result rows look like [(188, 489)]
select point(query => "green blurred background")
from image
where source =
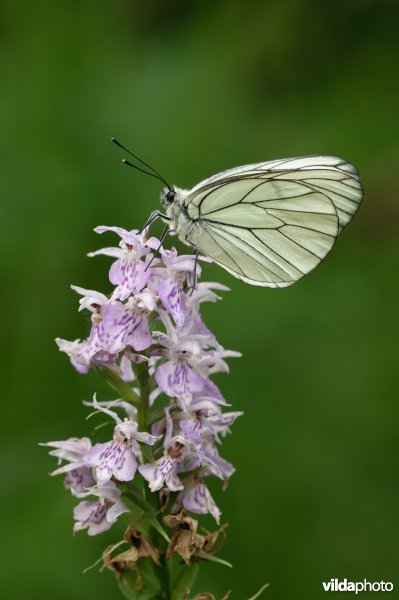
[(196, 87)]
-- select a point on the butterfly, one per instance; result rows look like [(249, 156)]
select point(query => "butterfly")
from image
[(268, 223)]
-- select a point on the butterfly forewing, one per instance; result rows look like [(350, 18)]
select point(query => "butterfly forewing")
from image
[(271, 223)]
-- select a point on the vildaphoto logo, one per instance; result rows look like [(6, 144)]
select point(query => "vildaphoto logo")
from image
[(335, 585)]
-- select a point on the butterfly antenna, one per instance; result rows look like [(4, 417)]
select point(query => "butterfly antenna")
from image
[(153, 172), (129, 164)]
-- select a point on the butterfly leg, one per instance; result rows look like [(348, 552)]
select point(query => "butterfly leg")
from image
[(196, 253), (153, 217), (161, 240)]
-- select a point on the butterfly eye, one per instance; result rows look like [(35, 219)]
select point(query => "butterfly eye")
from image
[(170, 196)]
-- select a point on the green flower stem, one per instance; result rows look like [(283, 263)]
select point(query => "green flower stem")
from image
[(164, 578), (120, 386), (143, 379), (148, 502), (185, 581)]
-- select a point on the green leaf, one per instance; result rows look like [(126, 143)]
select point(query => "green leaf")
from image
[(262, 589), (146, 451), (147, 570), (138, 498), (157, 525), (119, 385), (185, 581), (126, 584), (149, 513), (150, 585), (100, 560), (156, 414), (215, 559)]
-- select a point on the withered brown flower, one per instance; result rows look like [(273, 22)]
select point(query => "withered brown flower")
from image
[(140, 547), (210, 546), (185, 540), (119, 564), (209, 596)]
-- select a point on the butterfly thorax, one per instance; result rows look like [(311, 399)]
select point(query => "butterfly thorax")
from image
[(179, 221)]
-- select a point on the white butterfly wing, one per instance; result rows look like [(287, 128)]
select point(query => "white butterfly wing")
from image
[(271, 223)]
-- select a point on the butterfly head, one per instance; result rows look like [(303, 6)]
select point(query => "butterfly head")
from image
[(168, 196)]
